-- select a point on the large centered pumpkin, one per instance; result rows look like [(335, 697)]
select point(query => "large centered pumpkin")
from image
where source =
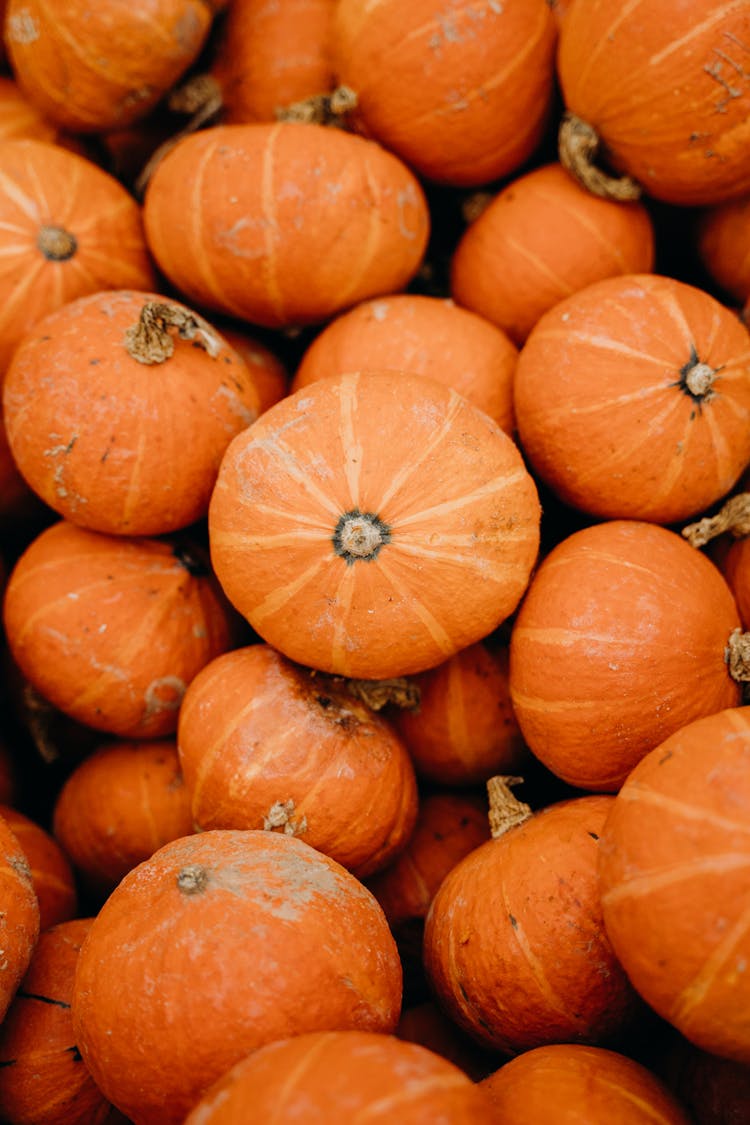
[(373, 524)]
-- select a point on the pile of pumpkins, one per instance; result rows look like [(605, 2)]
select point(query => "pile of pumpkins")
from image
[(375, 546)]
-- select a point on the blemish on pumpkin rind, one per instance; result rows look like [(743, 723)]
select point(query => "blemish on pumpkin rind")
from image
[(21, 27)]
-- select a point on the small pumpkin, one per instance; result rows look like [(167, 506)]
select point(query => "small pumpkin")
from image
[(565, 1083), (18, 117), (43, 1080), (265, 744), (461, 94), (342, 1075), (728, 534), (51, 873), (269, 374), (170, 395), (724, 248), (265, 241), (373, 551), (90, 70), (427, 335), (539, 239), (513, 976), (675, 885), (632, 399), (661, 89), (118, 806), (67, 228), (621, 640), (19, 918), (251, 936), (111, 630)]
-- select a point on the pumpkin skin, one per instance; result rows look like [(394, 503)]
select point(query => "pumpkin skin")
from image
[(353, 555), (426, 335), (67, 228), (677, 833), (327, 1076), (116, 443), (724, 247), (511, 976), (269, 375), (428, 1025), (540, 239), (90, 70), (265, 744), (566, 1083), (464, 730), (111, 630), (51, 873), (18, 117), (42, 1078), (595, 686), (19, 919), (632, 399), (119, 805), (735, 566), (253, 937), (461, 95), (663, 85), (259, 235)]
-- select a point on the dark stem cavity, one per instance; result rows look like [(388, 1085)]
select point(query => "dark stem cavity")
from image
[(56, 243), (192, 561), (360, 535)]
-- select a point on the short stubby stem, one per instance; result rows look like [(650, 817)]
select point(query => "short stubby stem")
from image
[(360, 535), (56, 243)]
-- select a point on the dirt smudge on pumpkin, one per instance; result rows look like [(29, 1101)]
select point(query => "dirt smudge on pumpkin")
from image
[(22, 27)]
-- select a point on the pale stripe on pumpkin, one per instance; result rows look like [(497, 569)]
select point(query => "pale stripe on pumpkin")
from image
[(693, 995)]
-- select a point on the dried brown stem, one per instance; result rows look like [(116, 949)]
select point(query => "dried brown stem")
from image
[(578, 147), (321, 109), (505, 810), (150, 341), (733, 517)]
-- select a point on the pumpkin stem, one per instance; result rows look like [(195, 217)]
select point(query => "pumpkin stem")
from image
[(320, 109), (204, 114), (192, 879), (698, 379), (280, 816), (505, 809), (475, 205), (360, 535), (377, 694), (200, 93), (733, 517), (149, 341), (578, 145), (56, 243)]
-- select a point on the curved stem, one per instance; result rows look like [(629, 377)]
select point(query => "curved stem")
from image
[(578, 147)]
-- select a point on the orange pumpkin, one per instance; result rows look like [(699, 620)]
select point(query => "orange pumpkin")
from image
[(19, 917), (427, 1024), (566, 1083), (170, 394), (538, 967), (265, 241), (662, 89), (43, 1080), (461, 94), (675, 888), (51, 873), (620, 641), (19, 117), (265, 744), (111, 630), (249, 936), (540, 239), (463, 729), (103, 68), (269, 374), (118, 806), (632, 399), (329, 1076), (17, 501), (727, 534), (724, 246), (372, 550), (67, 228), (427, 335)]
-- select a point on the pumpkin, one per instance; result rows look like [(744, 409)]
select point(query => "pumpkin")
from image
[(461, 94), (19, 918), (118, 806), (541, 238), (724, 248), (675, 889), (661, 89), (327, 1076), (51, 873), (67, 228), (463, 729), (537, 967), (247, 220), (170, 395), (620, 641), (427, 335), (373, 551), (18, 117), (249, 936), (269, 374), (265, 744), (90, 70), (43, 1080), (426, 1024), (727, 533), (17, 501), (566, 1083), (111, 630), (632, 399)]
